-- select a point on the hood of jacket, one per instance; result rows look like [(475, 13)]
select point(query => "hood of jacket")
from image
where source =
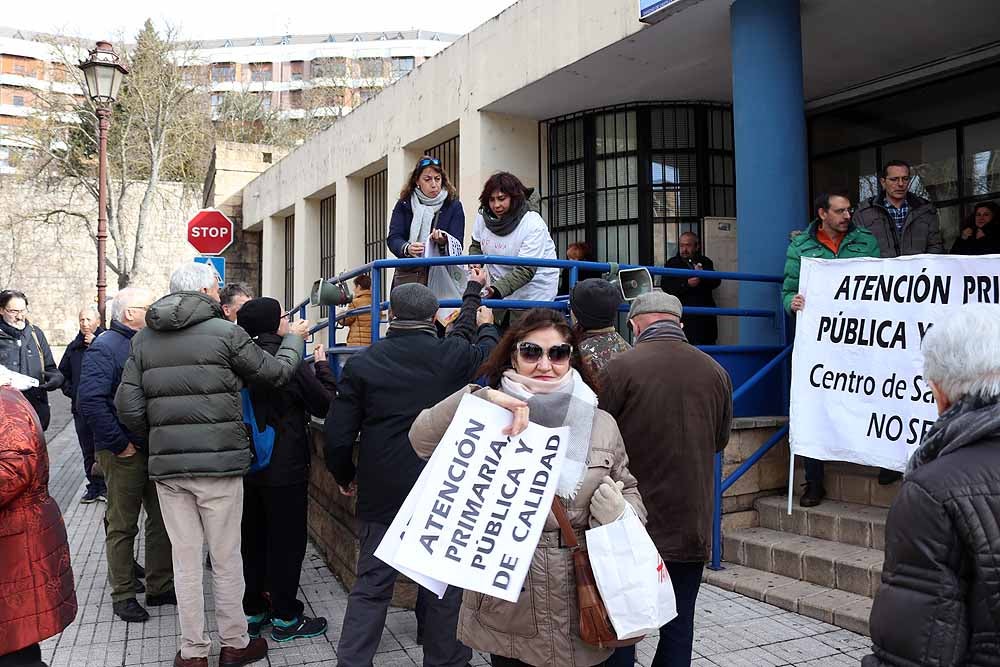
[(181, 310), (810, 235), (967, 422)]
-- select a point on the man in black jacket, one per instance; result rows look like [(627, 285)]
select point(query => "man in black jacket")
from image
[(25, 350), (69, 366), (380, 393), (275, 499), (938, 603), (693, 292)]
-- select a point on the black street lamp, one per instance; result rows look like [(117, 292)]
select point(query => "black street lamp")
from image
[(104, 73)]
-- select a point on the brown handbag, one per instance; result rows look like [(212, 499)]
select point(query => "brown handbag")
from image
[(595, 624)]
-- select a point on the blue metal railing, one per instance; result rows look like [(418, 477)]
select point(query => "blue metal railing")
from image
[(720, 484)]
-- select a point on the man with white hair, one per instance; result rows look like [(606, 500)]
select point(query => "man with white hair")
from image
[(70, 365), (123, 458), (181, 387), (940, 594)]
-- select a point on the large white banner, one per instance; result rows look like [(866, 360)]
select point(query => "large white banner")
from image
[(858, 392), (479, 509)]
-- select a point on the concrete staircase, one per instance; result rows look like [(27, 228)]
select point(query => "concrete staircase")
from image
[(824, 562)]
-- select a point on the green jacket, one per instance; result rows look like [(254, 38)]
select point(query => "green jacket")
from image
[(857, 243), (181, 387)]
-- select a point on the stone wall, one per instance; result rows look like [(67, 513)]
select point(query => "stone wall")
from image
[(769, 476), (55, 263), (333, 526)]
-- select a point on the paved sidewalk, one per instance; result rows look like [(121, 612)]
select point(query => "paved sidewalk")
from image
[(731, 630)]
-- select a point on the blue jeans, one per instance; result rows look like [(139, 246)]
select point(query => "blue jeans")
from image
[(677, 636)]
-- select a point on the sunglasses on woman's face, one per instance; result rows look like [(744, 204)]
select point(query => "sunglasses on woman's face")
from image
[(557, 354)]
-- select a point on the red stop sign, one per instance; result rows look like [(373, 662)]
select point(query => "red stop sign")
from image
[(210, 232)]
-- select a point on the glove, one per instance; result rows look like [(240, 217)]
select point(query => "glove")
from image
[(608, 504)]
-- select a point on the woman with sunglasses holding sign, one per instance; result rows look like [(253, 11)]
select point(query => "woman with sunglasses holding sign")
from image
[(427, 206), (507, 227), (536, 372)]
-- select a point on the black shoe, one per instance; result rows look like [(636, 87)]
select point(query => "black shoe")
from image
[(88, 498), (138, 570), (130, 611), (170, 597), (256, 623), (887, 477), (814, 494), (302, 627), (140, 587), (103, 496)]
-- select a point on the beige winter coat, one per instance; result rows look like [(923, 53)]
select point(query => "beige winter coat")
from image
[(542, 628)]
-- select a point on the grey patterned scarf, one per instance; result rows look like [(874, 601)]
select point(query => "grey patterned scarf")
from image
[(969, 420), (662, 330)]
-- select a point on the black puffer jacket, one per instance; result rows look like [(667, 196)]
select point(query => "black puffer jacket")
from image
[(182, 383), (309, 391), (939, 603), (26, 351)]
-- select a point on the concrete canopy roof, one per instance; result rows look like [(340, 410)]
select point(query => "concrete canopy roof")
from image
[(846, 43)]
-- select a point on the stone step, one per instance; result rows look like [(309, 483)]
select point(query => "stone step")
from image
[(840, 608), (845, 567), (834, 520), (851, 483)]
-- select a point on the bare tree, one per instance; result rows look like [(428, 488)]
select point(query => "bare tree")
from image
[(159, 132)]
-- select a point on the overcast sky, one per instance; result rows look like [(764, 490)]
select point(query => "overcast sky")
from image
[(201, 19)]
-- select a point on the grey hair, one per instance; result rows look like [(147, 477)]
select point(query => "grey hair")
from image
[(90, 308), (124, 299), (229, 293), (961, 355), (193, 277)]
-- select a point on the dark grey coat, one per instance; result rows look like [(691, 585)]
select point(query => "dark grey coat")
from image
[(939, 603), (181, 386), (921, 230)]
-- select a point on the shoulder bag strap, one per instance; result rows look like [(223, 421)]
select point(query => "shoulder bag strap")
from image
[(41, 354), (565, 527)]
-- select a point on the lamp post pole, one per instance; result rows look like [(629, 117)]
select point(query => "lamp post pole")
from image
[(103, 124), (103, 72)]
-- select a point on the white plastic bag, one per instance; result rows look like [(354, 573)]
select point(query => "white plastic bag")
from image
[(447, 282), (631, 577)]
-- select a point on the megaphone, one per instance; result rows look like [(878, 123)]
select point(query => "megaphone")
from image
[(631, 282), (326, 293)]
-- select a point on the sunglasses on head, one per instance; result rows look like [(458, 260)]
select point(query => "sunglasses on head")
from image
[(429, 161), (533, 353)]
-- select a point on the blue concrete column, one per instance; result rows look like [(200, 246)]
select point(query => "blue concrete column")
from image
[(770, 140)]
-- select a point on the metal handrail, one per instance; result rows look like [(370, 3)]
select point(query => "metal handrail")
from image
[(562, 302)]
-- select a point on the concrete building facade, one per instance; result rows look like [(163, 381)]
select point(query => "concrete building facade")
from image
[(638, 121), (325, 75)]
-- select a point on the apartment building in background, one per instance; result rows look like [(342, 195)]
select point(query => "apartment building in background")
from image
[(324, 75)]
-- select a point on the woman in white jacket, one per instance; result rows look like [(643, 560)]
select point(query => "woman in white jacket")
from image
[(507, 227)]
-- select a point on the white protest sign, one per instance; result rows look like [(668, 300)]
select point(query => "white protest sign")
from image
[(17, 380), (388, 548), (447, 282), (483, 507), (858, 392)]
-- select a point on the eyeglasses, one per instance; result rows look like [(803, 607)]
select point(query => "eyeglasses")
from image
[(899, 179), (21, 311), (557, 354), (429, 161), (842, 211)]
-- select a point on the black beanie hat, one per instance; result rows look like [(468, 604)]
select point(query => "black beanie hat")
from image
[(261, 315), (594, 303)]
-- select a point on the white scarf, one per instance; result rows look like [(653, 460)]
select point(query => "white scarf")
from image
[(567, 401), (424, 208)]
